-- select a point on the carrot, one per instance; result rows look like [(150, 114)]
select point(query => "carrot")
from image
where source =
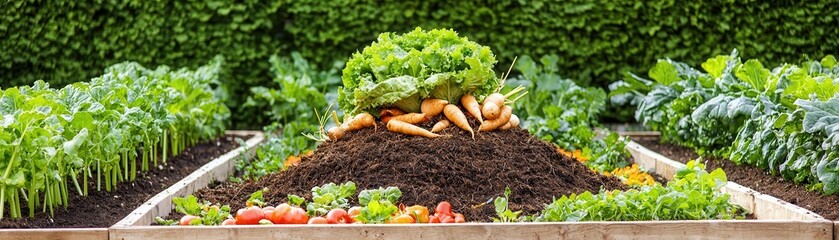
[(457, 117), (514, 121), (489, 125), (506, 126), (410, 129), (362, 120), (432, 106), (471, 105), (335, 133), (412, 118), (386, 113), (490, 111), (440, 125)]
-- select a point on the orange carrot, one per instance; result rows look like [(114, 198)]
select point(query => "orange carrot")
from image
[(489, 125), (432, 106), (410, 129), (386, 113), (362, 120), (514, 121), (440, 125), (457, 117), (471, 105), (490, 111), (335, 133), (412, 118)]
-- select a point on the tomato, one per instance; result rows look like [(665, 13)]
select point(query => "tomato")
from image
[(459, 218), (318, 220), (186, 219), (295, 216), (229, 221), (249, 215), (401, 219), (433, 219), (446, 218), (267, 214), (354, 212), (420, 213), (279, 213), (338, 216), (444, 208)]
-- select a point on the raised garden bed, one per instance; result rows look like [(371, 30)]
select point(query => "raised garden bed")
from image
[(825, 206), (768, 225), (87, 218)]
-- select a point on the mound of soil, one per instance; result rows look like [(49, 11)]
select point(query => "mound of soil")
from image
[(453, 168), (102, 209)]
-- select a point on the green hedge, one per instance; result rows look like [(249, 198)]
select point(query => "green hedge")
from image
[(596, 40)]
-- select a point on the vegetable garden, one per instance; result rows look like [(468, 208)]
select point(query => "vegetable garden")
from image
[(424, 133)]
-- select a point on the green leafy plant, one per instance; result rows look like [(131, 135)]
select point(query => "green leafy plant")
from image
[(330, 196), (207, 213), (692, 195), (55, 139), (401, 70), (378, 205), (502, 209)]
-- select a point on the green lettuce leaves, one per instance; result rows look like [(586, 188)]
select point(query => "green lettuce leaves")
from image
[(401, 70)]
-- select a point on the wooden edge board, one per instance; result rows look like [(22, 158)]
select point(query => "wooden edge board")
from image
[(769, 207), (218, 169), (741, 195), (762, 205), (705, 229), (56, 233), (836, 230)]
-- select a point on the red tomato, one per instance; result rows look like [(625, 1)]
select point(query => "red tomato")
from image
[(277, 217), (338, 215), (229, 221), (186, 219), (266, 209), (444, 208), (459, 218), (295, 216), (249, 215), (446, 218), (433, 219), (318, 220)]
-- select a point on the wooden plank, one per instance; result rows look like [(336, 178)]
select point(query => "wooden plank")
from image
[(769, 207), (643, 157), (56, 233), (740, 195), (836, 230), (641, 135), (218, 169), (731, 229)]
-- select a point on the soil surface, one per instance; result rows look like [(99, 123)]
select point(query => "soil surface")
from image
[(757, 179), (101, 209), (453, 168)]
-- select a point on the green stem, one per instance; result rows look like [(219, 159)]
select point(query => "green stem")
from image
[(165, 134)]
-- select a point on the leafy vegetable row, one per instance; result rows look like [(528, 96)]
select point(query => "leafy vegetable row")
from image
[(783, 120), (56, 139)]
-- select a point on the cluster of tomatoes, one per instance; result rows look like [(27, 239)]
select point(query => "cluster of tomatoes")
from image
[(420, 214), (287, 214)]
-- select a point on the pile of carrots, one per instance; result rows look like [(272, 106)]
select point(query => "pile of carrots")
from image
[(494, 113)]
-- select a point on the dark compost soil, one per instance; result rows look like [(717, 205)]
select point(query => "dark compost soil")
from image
[(757, 179), (452, 168), (103, 209)]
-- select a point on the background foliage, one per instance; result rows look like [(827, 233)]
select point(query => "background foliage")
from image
[(595, 41)]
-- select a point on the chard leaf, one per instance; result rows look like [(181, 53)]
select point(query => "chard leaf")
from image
[(822, 116), (753, 73), (664, 73)]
